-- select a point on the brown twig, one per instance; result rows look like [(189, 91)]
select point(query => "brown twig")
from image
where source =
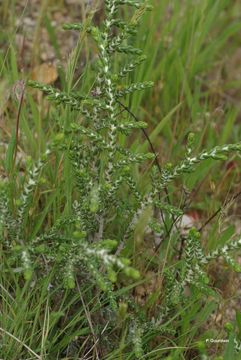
[(154, 152), (19, 90), (233, 198)]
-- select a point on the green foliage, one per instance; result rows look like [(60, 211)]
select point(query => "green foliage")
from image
[(90, 238)]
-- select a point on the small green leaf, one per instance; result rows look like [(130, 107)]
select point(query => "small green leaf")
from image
[(112, 275), (28, 273), (133, 273)]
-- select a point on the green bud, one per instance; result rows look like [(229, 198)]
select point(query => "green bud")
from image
[(122, 311), (17, 248), (190, 139), (95, 33), (28, 273), (102, 285), (194, 233), (131, 272), (58, 138), (18, 202), (126, 169), (107, 186), (125, 261), (228, 327), (150, 156), (94, 199), (79, 234), (206, 280), (109, 244), (201, 346), (168, 166), (70, 282), (40, 249), (42, 181), (115, 77), (112, 275)]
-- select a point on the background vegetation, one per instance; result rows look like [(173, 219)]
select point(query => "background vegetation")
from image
[(194, 59)]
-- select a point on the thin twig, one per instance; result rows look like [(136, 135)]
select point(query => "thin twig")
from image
[(144, 132), (219, 210), (19, 87), (233, 198), (153, 151)]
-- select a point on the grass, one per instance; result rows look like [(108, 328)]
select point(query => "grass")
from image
[(189, 46)]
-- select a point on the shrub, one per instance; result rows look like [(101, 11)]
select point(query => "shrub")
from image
[(108, 202)]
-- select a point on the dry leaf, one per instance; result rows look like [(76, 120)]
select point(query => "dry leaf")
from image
[(44, 73), (143, 291)]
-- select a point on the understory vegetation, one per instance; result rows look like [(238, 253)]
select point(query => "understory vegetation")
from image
[(120, 181)]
